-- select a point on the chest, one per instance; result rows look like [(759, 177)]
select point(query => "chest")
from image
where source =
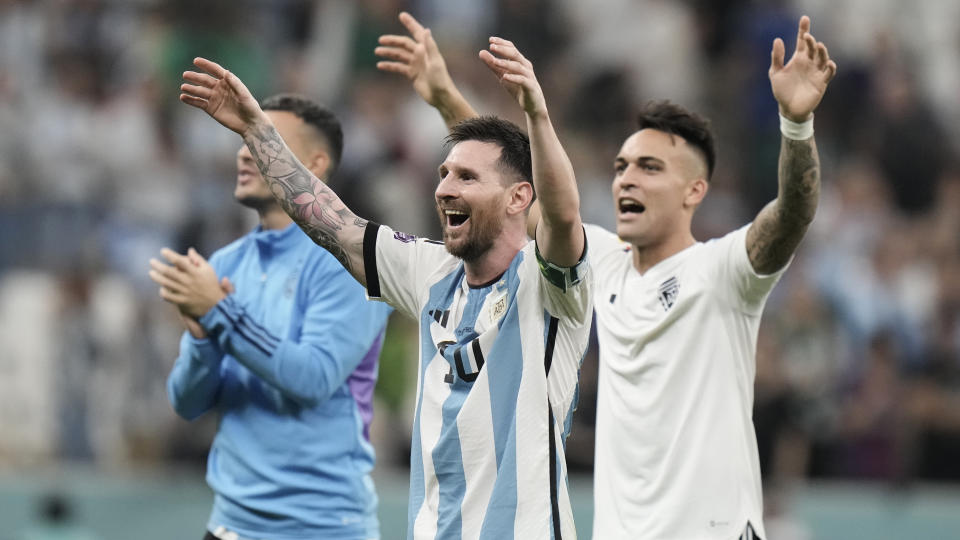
[(666, 303), (464, 328), (268, 287)]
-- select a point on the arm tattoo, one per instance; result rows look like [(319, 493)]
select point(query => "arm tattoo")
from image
[(311, 204), (780, 226)]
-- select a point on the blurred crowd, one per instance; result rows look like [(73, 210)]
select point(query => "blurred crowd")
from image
[(858, 368)]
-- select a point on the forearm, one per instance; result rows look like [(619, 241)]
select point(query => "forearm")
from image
[(194, 381), (453, 107), (559, 233), (780, 227), (305, 198), (307, 372), (799, 183)]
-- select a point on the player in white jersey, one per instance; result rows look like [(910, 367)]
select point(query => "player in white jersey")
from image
[(504, 321), (677, 320)]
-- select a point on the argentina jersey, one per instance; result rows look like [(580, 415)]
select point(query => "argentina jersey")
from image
[(497, 385)]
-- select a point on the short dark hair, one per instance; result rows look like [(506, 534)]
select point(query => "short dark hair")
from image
[(513, 142), (675, 120), (313, 114)]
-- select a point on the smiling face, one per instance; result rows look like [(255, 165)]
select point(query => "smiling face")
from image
[(472, 199), (658, 182)]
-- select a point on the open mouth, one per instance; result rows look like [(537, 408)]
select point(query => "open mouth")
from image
[(456, 218), (630, 206), (245, 176)]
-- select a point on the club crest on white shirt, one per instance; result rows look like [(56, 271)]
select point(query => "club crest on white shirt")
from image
[(668, 292)]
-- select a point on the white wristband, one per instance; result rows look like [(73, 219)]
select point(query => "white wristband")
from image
[(795, 131)]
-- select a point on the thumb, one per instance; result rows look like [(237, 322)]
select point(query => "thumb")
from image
[(776, 56), (235, 84), (432, 49), (227, 286)]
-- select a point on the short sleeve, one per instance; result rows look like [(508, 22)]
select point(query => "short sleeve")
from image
[(751, 289), (567, 290), (397, 265)]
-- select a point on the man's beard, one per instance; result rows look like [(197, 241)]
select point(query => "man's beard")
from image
[(260, 204), (480, 238)]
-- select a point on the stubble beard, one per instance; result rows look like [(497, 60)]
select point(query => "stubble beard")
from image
[(259, 203), (480, 238)]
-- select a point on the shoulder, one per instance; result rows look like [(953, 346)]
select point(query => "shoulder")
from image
[(409, 249), (733, 244), (600, 241), (605, 248)]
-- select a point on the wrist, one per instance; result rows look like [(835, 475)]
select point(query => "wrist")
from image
[(257, 125), (538, 114), (796, 130)]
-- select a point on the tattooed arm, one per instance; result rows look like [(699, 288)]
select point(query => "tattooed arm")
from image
[(309, 201), (798, 87), (778, 228), (311, 204)]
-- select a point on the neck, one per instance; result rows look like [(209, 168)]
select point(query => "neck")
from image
[(647, 256), (273, 218), (494, 262)]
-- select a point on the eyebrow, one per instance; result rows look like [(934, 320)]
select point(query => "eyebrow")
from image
[(642, 160), (456, 168)]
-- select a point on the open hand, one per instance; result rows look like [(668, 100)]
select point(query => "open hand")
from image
[(222, 95), (799, 85), (516, 75), (418, 58), (188, 282)]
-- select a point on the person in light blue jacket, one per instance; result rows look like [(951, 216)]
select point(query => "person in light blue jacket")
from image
[(282, 343)]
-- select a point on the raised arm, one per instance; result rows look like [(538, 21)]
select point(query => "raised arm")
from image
[(310, 202), (798, 87), (559, 232), (418, 58)]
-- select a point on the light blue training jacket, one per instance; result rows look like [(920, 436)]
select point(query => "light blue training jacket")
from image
[(289, 365)]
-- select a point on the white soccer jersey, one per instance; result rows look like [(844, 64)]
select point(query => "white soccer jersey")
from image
[(497, 385), (676, 452)]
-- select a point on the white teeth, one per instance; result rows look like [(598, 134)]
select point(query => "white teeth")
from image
[(454, 213), (630, 205)]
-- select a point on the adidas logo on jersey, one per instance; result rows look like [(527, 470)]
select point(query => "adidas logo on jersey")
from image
[(668, 292)]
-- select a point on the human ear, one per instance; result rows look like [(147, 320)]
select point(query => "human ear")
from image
[(696, 191)]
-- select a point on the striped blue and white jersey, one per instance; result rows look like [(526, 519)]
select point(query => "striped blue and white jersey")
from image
[(497, 385)]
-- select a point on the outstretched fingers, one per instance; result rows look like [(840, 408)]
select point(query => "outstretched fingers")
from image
[(211, 67), (194, 101), (201, 79), (802, 29), (493, 63), (412, 25), (401, 42), (394, 67), (822, 56), (508, 50), (776, 55), (201, 92), (810, 47), (394, 53)]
